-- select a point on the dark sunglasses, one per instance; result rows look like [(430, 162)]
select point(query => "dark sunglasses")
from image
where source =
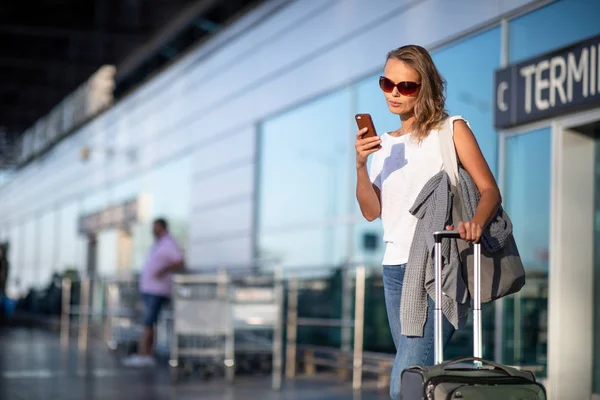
[(404, 88)]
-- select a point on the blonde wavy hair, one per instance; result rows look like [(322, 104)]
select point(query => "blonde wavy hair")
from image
[(430, 110)]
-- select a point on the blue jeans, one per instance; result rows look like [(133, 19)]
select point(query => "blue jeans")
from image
[(153, 303), (410, 350)]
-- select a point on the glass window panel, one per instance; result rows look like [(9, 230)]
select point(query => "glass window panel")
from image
[(369, 247), (107, 242), (124, 190), (558, 24), (305, 163), (95, 201), (527, 201), (14, 252), (71, 247), (318, 246), (470, 91), (596, 350), (30, 252), (105, 249), (47, 238), (527, 194), (164, 191)]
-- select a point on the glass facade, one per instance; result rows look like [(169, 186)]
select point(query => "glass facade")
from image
[(70, 249), (305, 181), (527, 201), (527, 181), (558, 24), (596, 350)]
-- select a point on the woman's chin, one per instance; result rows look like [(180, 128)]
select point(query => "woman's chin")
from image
[(396, 110)]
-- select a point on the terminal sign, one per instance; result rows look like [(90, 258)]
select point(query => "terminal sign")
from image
[(564, 80)]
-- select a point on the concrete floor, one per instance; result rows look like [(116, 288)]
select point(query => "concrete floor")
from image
[(32, 366)]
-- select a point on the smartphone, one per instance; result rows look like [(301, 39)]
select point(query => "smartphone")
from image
[(365, 121)]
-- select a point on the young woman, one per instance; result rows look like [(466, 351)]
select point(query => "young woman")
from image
[(403, 162)]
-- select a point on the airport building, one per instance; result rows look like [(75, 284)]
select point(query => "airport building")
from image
[(245, 144)]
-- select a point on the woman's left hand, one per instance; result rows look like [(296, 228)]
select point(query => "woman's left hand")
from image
[(469, 231)]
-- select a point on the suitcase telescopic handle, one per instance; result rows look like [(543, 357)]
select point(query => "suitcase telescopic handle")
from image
[(439, 235), (438, 334)]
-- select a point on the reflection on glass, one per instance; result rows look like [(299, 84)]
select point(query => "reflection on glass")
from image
[(368, 241), (556, 25), (324, 298), (324, 246), (527, 201), (470, 90), (306, 181), (304, 163)]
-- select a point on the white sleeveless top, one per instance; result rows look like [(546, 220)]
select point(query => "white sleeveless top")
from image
[(400, 170)]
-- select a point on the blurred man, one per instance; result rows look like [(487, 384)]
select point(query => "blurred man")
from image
[(155, 285)]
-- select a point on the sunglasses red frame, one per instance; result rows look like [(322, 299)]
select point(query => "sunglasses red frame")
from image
[(404, 88)]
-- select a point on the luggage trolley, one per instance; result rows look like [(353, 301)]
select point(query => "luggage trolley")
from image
[(257, 304), (202, 324), (123, 308), (225, 322)]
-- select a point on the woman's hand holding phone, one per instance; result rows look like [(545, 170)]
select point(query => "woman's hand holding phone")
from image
[(365, 147), (367, 142)]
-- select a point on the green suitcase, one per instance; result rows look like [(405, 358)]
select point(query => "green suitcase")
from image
[(469, 378)]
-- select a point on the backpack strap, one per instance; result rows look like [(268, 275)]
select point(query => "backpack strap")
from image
[(447, 148)]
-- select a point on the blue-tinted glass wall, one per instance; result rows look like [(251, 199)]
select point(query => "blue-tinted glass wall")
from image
[(527, 178)]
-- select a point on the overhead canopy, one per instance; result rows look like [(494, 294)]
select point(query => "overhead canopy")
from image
[(50, 47)]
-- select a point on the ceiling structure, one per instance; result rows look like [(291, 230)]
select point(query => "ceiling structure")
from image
[(50, 47)]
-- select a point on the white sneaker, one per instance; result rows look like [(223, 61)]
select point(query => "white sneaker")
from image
[(139, 361)]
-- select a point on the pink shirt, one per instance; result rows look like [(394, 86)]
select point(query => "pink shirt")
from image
[(164, 253)]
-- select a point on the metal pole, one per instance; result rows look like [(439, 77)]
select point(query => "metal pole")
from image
[(517, 328), (359, 324), (278, 332), (346, 310), (108, 315), (292, 327), (438, 341), (65, 320), (83, 313), (477, 328), (174, 353), (230, 335)]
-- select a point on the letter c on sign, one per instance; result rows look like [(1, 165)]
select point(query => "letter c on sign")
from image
[(502, 87)]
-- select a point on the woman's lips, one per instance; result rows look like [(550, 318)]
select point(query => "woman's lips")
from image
[(394, 104)]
